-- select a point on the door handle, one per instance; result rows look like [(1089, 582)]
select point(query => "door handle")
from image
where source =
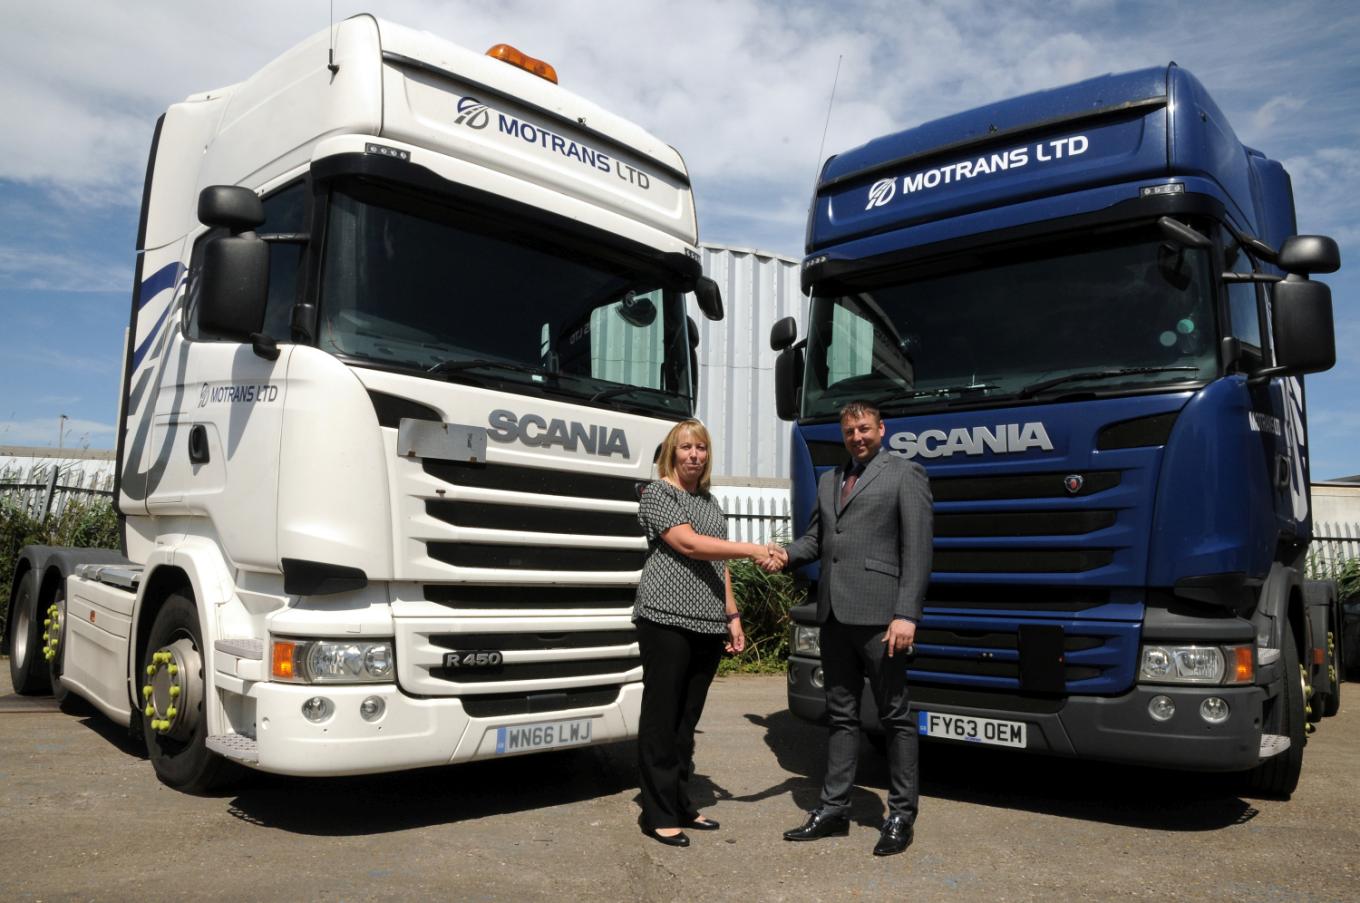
[(198, 444)]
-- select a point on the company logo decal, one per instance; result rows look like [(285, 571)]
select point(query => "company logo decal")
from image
[(539, 432), (1073, 482), (1066, 148), (1006, 438), (264, 393), (477, 115), (882, 192), (472, 113)]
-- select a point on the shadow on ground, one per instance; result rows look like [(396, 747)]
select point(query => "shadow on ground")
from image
[(1095, 791)]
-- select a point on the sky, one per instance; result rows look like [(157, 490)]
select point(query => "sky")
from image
[(740, 87)]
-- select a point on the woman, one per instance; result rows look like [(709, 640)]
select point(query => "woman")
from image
[(684, 612)]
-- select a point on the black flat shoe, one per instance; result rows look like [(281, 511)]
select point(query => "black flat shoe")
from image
[(675, 840), (896, 836), (703, 824), (820, 824)]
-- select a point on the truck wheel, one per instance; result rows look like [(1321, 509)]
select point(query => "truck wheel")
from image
[(1278, 776), (27, 668), (172, 694), (54, 646)]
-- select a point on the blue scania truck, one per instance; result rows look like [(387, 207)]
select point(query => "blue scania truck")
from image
[(1086, 312)]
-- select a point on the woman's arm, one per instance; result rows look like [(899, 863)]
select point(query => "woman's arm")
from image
[(684, 539), (736, 637)]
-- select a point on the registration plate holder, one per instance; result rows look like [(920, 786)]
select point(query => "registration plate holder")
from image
[(517, 738), (971, 729)]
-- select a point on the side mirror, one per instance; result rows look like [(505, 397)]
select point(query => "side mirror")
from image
[(1305, 338), (709, 296), (234, 287), (788, 382), (231, 207), (693, 358), (783, 333), (1305, 254)]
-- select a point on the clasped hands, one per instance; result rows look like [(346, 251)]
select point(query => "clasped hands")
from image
[(773, 559)]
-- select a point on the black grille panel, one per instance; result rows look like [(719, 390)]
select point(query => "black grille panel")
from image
[(534, 519), (495, 705), (1020, 561), (536, 558), (481, 596), (942, 665), (539, 480), (983, 639), (1020, 486), (923, 697), (505, 642), (1023, 523), (1037, 598), (537, 670)]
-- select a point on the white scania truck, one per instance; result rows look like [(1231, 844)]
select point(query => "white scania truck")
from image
[(408, 326)]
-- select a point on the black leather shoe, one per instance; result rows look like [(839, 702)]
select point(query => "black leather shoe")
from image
[(820, 824), (897, 835), (703, 824), (675, 840)]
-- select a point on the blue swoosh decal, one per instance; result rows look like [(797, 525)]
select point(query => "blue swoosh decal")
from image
[(167, 276)]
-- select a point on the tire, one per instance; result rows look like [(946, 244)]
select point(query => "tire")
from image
[(177, 744), (27, 667), (1278, 776)]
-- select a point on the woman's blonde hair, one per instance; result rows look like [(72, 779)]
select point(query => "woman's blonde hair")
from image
[(665, 460)]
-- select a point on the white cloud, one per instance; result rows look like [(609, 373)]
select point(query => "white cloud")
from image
[(43, 431), (29, 269)]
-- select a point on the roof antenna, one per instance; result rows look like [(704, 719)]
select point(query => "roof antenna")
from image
[(829, 104), (330, 59)]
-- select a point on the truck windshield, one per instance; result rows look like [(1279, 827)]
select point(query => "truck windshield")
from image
[(1109, 314), (467, 297)]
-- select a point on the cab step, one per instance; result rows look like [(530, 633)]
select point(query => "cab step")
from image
[(237, 747), (1273, 745)]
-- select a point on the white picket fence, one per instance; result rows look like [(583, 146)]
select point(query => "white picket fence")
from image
[(44, 490), (1333, 545), (755, 514)]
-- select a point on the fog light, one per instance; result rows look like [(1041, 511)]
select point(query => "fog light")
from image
[(1161, 708), (372, 708), (1214, 710), (818, 679), (317, 709)]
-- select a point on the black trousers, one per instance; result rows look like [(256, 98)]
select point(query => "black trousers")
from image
[(677, 668), (850, 654)]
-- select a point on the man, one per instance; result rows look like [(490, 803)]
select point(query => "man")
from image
[(871, 531)]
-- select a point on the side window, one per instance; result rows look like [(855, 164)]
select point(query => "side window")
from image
[(1244, 308), (284, 214)]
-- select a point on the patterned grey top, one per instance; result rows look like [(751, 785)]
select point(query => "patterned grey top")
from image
[(677, 590)]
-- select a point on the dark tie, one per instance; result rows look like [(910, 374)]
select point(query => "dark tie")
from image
[(850, 479)]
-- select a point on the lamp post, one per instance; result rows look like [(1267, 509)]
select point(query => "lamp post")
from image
[(61, 430)]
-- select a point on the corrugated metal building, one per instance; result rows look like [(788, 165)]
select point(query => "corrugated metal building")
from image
[(736, 365)]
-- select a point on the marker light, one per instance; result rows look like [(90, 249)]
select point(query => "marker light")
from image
[(1243, 671), (284, 655), (507, 54)]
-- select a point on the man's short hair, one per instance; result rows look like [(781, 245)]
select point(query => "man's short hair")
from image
[(857, 409)]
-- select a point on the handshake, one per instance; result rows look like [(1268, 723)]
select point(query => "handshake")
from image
[(772, 558)]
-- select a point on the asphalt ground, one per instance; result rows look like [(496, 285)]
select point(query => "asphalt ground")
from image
[(82, 817)]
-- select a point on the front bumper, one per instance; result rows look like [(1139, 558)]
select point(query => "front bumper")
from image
[(1110, 729), (412, 732)]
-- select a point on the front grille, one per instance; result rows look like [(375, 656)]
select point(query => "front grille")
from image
[(1023, 523), (997, 700), (1012, 597), (506, 642), (536, 558), (1020, 486), (1020, 561), (537, 670), (533, 518), (537, 480), (923, 664), (496, 705), (501, 597)]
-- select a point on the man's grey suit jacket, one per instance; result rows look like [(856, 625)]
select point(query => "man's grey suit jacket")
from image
[(876, 551)]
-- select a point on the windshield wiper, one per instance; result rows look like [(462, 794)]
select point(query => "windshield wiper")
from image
[(1043, 384), (614, 391), (457, 364), (950, 390)]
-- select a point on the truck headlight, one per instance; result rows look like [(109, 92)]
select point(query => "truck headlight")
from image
[(1196, 665), (807, 641), (332, 661)]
